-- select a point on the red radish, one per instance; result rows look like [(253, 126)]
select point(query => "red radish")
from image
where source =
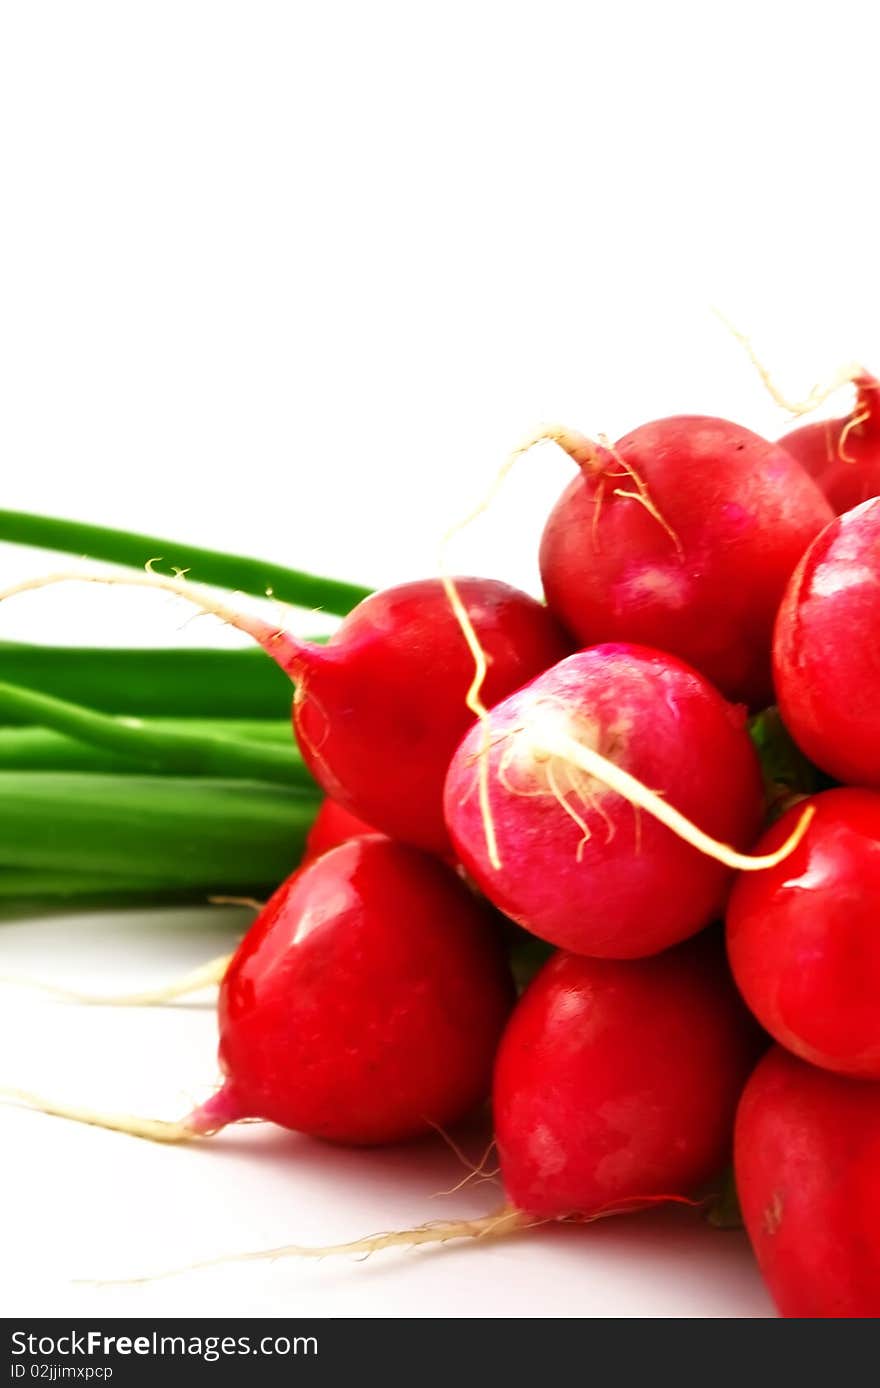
[(619, 1081), (682, 536), (364, 1005), (807, 1157), (843, 455), (615, 1089), (803, 939), (379, 710), (825, 649), (332, 826), (541, 823)]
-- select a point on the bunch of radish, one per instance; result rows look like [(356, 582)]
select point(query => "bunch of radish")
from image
[(581, 775)]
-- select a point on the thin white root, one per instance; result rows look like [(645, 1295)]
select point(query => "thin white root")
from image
[(501, 1224), (579, 447), (206, 976), (854, 422), (817, 395), (278, 643), (548, 739), (153, 1129), (581, 450)]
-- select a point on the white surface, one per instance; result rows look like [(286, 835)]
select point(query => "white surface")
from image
[(87, 1204), (292, 280)]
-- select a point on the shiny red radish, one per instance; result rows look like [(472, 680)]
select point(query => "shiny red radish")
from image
[(843, 455), (807, 1153), (556, 846), (825, 649), (682, 536), (618, 1081), (364, 1005), (378, 710), (803, 939)]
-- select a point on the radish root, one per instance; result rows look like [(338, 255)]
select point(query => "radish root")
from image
[(205, 1120), (547, 742), (153, 1129), (279, 644), (854, 422), (501, 1223), (205, 976), (641, 495), (583, 451), (816, 396)]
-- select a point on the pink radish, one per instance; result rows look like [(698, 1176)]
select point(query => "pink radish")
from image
[(682, 536), (548, 805), (843, 455), (364, 1005), (379, 710), (807, 1157)]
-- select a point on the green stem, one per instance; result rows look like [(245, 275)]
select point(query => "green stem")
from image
[(231, 571), (156, 748), (218, 836), (19, 884), (153, 682), (40, 749)]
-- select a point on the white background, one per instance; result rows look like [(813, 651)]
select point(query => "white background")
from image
[(292, 279)]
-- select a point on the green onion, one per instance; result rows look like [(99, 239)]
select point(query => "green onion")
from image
[(236, 572), (159, 749), (40, 749), (185, 683), (217, 836)]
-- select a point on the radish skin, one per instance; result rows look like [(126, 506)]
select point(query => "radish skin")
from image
[(619, 1081), (802, 937), (682, 536), (807, 1154), (825, 649)]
